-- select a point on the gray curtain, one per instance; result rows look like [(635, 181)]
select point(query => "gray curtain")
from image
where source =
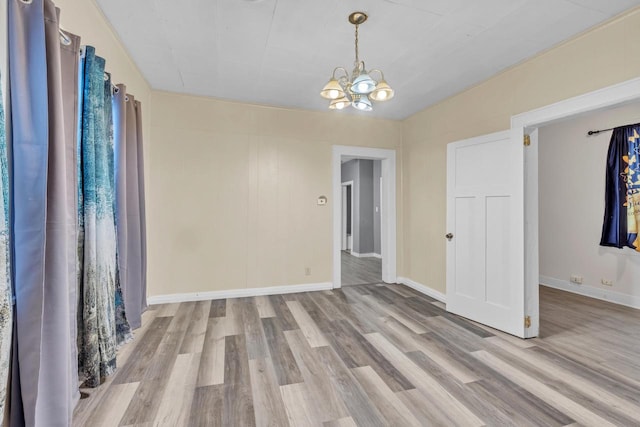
[(130, 206), (44, 386), (6, 307)]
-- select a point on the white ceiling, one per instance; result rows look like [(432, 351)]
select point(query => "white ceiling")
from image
[(281, 52)]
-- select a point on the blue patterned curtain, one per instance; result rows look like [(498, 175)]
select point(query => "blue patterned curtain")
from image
[(6, 309), (622, 197), (97, 327)]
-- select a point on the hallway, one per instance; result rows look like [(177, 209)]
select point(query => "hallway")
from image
[(360, 271)]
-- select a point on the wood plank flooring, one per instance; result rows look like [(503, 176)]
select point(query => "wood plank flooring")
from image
[(360, 271), (370, 355)]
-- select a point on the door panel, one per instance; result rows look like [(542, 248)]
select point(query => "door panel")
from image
[(484, 214), (466, 229), (498, 250)]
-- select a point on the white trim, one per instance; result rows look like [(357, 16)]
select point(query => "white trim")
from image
[(238, 293), (423, 289), (388, 223), (369, 255), (531, 221), (625, 251), (527, 122), (592, 292), (592, 101)]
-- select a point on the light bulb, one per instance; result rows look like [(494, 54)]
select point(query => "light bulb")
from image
[(339, 104), (362, 103), (333, 94)]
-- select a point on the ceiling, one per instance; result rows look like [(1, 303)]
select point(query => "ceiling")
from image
[(282, 52)]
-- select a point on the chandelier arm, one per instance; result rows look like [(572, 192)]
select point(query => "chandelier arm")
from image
[(378, 71), (346, 74)]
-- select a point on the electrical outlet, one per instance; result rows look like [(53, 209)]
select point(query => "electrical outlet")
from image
[(576, 279), (307, 271), (607, 282)]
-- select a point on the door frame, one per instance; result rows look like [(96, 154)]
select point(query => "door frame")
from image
[(388, 238), (527, 124), (343, 214)]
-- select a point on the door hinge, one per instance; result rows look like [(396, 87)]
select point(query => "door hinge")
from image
[(527, 321), (527, 140)]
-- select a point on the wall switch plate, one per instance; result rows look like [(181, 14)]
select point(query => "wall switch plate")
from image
[(607, 282), (576, 279), (322, 200)]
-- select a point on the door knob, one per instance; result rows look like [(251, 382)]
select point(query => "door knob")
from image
[(449, 236)]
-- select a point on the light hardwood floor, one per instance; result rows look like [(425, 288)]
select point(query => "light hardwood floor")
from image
[(371, 355), (360, 271)]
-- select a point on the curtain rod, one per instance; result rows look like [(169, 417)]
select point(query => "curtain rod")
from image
[(595, 132), (64, 38), (107, 75)]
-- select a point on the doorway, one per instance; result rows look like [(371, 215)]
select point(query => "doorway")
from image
[(522, 245), (570, 256), (361, 258), (386, 214), (528, 124)]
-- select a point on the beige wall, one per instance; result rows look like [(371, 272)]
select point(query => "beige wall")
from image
[(85, 19), (571, 205), (232, 187), (232, 200), (599, 58)]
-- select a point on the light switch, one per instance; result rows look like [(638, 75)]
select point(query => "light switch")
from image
[(322, 200)]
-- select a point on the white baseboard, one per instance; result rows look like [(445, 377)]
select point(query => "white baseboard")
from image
[(238, 293), (423, 289), (369, 255), (592, 292)]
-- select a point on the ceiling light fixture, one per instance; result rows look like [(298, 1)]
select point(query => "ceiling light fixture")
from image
[(359, 88)]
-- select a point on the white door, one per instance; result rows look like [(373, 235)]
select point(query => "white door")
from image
[(485, 228)]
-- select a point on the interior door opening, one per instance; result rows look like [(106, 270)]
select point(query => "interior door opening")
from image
[(515, 238), (570, 257), (529, 123), (361, 258), (364, 224)]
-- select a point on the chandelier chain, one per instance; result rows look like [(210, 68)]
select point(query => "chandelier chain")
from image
[(357, 56)]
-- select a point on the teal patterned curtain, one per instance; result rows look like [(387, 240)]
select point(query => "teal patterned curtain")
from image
[(6, 312), (97, 326), (123, 330)]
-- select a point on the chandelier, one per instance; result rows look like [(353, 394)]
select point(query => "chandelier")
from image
[(359, 88)]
